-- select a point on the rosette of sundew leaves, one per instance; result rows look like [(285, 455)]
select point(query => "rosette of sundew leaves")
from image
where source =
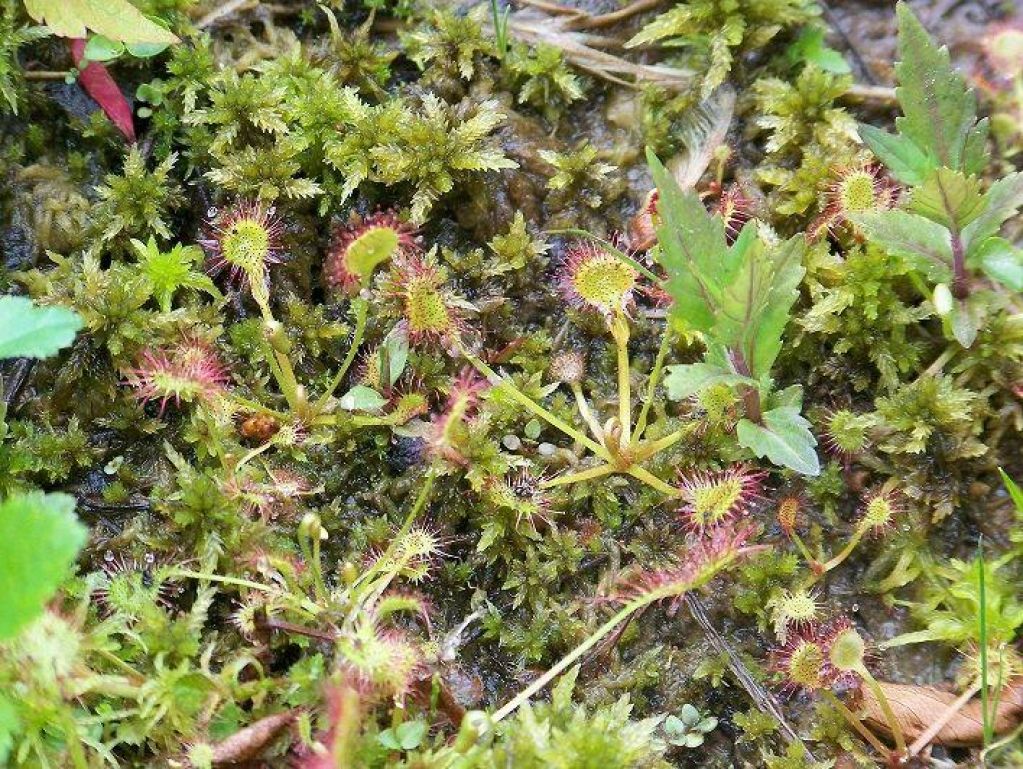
[(947, 229), (738, 298), (39, 533)]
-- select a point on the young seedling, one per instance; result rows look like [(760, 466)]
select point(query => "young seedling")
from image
[(738, 296), (948, 227)]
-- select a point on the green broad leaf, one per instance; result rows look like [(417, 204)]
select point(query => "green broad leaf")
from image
[(1001, 261), (145, 50), (939, 110), (811, 47), (117, 20), (949, 198), (975, 153), (686, 379), (1003, 200), (100, 48), (965, 320), (39, 540), (694, 251), (362, 398), (925, 244), (393, 357), (753, 308), (900, 155), (29, 331), (784, 438), (772, 290)]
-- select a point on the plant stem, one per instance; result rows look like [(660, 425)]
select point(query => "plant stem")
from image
[(237, 581), (854, 540), (651, 448), (886, 708), (960, 280), (620, 332), (653, 381), (585, 413), (856, 724), (591, 641), (417, 508), (523, 399), (750, 394), (804, 550), (986, 715), (583, 475), (361, 313), (642, 474)]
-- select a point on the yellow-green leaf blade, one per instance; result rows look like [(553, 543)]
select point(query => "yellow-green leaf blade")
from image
[(39, 540), (114, 19)]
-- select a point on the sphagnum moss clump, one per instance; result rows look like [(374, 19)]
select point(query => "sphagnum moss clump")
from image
[(389, 449)]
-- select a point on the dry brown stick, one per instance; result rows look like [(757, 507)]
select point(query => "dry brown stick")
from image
[(607, 19), (760, 696), (879, 93), (224, 10)]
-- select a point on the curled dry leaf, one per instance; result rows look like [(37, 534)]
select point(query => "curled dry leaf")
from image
[(249, 742), (917, 707)]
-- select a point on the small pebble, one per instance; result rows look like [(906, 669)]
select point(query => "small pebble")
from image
[(511, 442), (547, 449)]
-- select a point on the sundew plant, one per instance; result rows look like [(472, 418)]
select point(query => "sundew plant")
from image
[(398, 384)]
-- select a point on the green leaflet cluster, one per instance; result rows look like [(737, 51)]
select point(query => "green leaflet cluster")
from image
[(738, 297), (947, 227)]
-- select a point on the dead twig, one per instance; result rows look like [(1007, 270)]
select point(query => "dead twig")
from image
[(225, 10), (760, 696)]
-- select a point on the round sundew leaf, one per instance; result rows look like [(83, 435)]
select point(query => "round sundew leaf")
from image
[(369, 250)]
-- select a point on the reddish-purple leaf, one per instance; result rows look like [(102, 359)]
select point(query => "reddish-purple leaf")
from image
[(98, 83)]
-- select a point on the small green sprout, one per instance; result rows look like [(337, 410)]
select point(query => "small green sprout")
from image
[(688, 729)]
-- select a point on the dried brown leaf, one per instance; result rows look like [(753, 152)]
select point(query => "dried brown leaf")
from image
[(248, 742), (917, 707)]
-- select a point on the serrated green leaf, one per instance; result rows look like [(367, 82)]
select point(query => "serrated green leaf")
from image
[(39, 539), (1003, 200), (1001, 261), (938, 108), (117, 20), (976, 154), (949, 198), (687, 379), (900, 155), (362, 398), (782, 275), (784, 438), (693, 250), (925, 244), (754, 307), (28, 331)]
